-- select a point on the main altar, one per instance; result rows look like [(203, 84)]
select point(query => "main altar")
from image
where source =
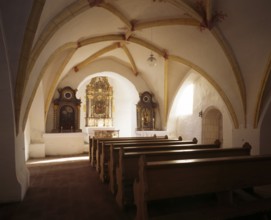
[(99, 105)]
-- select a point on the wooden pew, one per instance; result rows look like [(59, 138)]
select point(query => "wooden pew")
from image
[(127, 168), (181, 178), (93, 142), (173, 145), (104, 156), (107, 143)]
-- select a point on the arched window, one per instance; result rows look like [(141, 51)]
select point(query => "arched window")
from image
[(185, 100)]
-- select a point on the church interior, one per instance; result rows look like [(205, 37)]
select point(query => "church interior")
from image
[(76, 70)]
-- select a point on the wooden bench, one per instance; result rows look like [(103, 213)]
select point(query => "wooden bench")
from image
[(127, 168), (93, 142), (102, 145), (104, 156), (181, 178), (173, 145)]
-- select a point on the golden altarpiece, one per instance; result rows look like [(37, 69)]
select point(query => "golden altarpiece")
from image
[(67, 111), (99, 104), (145, 109)]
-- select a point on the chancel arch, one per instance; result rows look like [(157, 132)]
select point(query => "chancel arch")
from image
[(124, 99), (121, 74), (99, 103)]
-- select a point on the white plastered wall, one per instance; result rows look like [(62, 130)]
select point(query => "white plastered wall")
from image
[(37, 125), (190, 126)]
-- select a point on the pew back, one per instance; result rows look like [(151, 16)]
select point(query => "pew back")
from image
[(102, 151), (127, 170), (93, 142), (178, 178), (105, 160)]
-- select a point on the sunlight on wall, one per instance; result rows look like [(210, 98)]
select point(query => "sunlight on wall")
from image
[(185, 101)]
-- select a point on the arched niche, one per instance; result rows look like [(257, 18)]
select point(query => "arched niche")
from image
[(125, 97), (212, 125)]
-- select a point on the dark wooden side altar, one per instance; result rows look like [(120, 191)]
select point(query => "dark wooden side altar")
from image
[(146, 112), (67, 111)]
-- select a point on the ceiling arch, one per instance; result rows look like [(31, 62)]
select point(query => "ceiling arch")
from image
[(66, 51), (22, 76), (166, 56), (131, 31)]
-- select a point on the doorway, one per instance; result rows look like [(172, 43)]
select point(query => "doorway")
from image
[(212, 126)]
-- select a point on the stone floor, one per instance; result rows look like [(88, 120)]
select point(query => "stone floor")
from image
[(70, 189), (64, 190)]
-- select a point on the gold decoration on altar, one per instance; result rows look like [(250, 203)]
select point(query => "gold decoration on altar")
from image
[(99, 102)]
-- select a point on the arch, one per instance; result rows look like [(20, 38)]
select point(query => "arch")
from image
[(125, 96), (76, 8), (205, 98), (101, 66), (22, 74), (213, 83), (70, 50), (167, 57), (60, 21), (212, 125), (222, 42), (72, 47)]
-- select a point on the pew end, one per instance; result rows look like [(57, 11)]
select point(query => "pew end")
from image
[(139, 191)]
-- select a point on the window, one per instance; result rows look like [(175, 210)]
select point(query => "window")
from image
[(185, 101)]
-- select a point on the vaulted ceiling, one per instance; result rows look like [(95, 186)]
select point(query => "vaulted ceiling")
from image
[(227, 42)]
